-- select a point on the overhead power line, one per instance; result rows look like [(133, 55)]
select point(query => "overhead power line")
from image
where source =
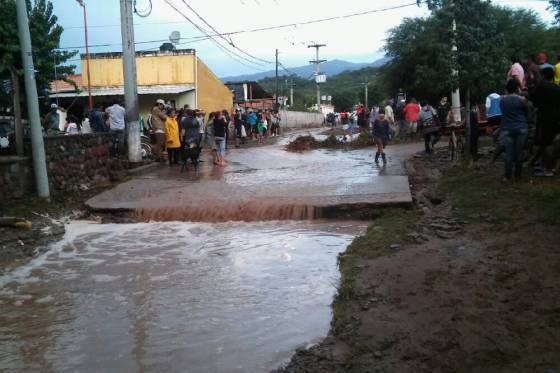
[(229, 41), (209, 35), (232, 54)]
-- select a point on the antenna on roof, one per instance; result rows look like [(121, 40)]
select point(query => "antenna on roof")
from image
[(175, 37)]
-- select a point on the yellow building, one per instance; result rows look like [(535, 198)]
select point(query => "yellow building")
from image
[(178, 76)]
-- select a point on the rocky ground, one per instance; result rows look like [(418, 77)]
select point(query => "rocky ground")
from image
[(465, 281)]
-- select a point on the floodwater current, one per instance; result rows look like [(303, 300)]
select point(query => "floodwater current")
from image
[(172, 297)]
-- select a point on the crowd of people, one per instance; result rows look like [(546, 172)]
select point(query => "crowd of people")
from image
[(171, 130), (525, 119)]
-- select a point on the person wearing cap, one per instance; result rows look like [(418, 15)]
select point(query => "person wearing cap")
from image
[(158, 118), (51, 121)]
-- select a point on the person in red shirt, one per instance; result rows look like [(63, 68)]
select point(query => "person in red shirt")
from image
[(411, 113)]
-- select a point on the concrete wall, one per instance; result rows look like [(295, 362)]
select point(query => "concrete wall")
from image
[(151, 70), (299, 119), (212, 94)]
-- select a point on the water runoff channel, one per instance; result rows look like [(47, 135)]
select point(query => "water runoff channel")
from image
[(183, 296)]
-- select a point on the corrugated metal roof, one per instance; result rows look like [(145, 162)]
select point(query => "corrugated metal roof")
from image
[(119, 91)]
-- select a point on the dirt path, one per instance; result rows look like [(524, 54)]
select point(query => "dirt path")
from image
[(465, 282)]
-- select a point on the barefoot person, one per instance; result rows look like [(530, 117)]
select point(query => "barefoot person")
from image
[(381, 135)]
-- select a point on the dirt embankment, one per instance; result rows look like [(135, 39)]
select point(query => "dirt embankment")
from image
[(466, 281)]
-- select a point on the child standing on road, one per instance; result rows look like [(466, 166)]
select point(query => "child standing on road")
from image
[(381, 135)]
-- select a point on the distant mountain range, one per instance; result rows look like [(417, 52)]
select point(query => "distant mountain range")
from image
[(330, 68)]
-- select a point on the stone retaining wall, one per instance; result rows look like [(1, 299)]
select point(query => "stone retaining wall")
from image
[(78, 162), (74, 162), (16, 177)]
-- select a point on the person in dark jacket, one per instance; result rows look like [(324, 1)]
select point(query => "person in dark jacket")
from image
[(52, 120), (547, 102), (381, 131), (189, 128), (220, 128), (96, 120)]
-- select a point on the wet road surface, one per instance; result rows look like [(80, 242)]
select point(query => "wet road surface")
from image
[(267, 176), (173, 297)]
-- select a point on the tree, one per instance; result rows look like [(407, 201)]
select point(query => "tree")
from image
[(344, 100), (555, 7), (45, 38)]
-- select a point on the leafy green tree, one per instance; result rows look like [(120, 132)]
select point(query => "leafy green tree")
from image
[(555, 7), (344, 100), (45, 38)]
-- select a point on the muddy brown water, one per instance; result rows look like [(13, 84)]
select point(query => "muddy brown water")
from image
[(172, 296)]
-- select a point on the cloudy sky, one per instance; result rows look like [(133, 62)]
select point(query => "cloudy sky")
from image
[(355, 39)]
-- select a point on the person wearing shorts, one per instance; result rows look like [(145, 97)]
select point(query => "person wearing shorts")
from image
[(220, 127)]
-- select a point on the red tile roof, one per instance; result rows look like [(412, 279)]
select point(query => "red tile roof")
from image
[(62, 86)]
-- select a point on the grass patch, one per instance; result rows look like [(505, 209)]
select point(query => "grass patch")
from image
[(389, 229), (476, 192)]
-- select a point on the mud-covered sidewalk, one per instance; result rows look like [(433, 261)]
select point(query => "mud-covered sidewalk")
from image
[(466, 281)]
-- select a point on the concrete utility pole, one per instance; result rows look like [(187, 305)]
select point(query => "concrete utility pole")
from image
[(292, 85), (276, 82), (90, 99), (130, 88), (38, 147), (317, 62), (366, 89)]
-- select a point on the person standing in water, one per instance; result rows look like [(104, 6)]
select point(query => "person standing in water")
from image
[(381, 135)]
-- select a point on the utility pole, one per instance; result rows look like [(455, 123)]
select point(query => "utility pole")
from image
[(366, 89), (276, 82), (292, 85), (38, 147), (90, 99), (130, 88), (317, 62)]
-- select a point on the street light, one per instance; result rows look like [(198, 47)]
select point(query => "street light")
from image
[(90, 100)]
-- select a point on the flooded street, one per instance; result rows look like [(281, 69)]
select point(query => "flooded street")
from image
[(174, 297)]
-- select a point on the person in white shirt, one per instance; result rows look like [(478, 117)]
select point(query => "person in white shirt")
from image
[(116, 117), (72, 128), (390, 116), (86, 128)]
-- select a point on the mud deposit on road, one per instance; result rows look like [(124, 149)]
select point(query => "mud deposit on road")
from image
[(232, 297)]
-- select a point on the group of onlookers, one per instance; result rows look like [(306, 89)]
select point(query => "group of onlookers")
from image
[(171, 129), (529, 115)]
